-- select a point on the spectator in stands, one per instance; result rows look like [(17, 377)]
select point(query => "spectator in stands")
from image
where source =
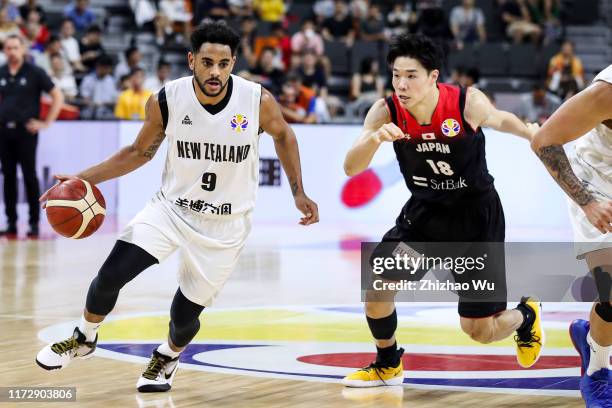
[(161, 77), (266, 71), (211, 9), (311, 73), (98, 90), (432, 21), (292, 110), (283, 43), (32, 5), (517, 21), (241, 8), (271, 11), (54, 47), (91, 47), (62, 78), (367, 86), (307, 97), (70, 45), (12, 11), (538, 105), (80, 14), (131, 61), (124, 83), (131, 102), (467, 24), (372, 28), (323, 9), (359, 9), (339, 26), (36, 32), (399, 19), (545, 13), (176, 14), (306, 39), (7, 27), (565, 72)]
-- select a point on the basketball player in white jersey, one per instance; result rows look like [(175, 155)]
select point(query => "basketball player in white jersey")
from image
[(212, 122), (586, 178)]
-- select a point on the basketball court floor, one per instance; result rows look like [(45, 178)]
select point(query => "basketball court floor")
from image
[(284, 331)]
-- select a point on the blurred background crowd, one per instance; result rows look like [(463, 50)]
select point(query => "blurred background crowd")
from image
[(324, 60)]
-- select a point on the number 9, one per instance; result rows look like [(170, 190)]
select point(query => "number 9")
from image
[(209, 181)]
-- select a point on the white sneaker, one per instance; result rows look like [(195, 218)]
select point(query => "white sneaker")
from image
[(159, 374), (58, 355)]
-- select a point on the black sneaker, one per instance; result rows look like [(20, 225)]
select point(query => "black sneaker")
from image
[(33, 232), (10, 232)]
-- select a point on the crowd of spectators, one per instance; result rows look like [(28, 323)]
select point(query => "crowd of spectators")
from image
[(288, 57)]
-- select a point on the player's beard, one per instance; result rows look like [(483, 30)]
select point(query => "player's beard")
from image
[(202, 85)]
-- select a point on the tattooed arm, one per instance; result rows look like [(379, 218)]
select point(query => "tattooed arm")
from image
[(272, 122), (574, 118), (131, 157)]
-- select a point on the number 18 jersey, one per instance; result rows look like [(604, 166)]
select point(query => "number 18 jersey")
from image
[(442, 162), (212, 164)]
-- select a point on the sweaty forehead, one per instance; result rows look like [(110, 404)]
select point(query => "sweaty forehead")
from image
[(214, 51)]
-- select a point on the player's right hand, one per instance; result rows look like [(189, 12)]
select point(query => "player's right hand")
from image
[(60, 179), (389, 132), (599, 213)]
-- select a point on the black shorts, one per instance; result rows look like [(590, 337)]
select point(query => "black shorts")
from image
[(480, 220)]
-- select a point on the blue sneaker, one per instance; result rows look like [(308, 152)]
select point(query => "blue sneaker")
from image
[(578, 331), (596, 389)]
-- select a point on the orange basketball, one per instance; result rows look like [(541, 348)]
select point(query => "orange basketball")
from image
[(75, 209)]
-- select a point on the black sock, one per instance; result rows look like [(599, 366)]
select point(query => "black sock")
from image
[(388, 356), (528, 317)]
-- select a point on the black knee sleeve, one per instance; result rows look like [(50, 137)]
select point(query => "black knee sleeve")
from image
[(184, 322), (604, 310), (123, 264), (603, 281), (383, 329)]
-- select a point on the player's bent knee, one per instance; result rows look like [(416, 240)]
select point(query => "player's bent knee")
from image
[(604, 310), (377, 310)]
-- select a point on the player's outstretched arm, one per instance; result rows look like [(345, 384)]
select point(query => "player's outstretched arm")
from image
[(581, 113), (480, 112), (377, 128), (129, 158), (272, 122)]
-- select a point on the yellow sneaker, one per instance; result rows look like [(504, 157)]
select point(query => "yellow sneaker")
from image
[(376, 375), (529, 342)]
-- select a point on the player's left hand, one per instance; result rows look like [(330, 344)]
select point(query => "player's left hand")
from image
[(308, 208), (34, 125)]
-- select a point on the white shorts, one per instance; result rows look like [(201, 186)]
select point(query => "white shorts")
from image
[(209, 247), (587, 238)]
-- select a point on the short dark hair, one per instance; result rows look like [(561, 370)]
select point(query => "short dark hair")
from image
[(416, 46), (214, 33), (105, 60), (135, 71), (94, 28), (128, 53), (162, 63)]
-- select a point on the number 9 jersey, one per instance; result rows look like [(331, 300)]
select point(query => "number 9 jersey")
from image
[(212, 164)]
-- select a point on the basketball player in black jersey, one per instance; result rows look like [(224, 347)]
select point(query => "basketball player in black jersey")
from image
[(437, 137)]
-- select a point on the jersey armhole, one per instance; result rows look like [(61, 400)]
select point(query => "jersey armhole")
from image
[(163, 106), (391, 109), (462, 98)]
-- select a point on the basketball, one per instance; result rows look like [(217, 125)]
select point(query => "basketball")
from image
[(75, 209)]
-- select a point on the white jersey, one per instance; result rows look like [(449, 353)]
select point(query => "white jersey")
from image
[(212, 165), (595, 148)]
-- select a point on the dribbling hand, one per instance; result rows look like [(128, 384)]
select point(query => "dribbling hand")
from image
[(60, 178)]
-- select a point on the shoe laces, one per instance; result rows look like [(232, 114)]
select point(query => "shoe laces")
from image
[(377, 366), (157, 363), (69, 345), (527, 339)]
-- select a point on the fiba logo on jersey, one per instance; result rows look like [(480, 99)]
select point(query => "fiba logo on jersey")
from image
[(239, 123), (450, 128)]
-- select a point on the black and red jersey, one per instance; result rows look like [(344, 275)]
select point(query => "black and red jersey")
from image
[(443, 161)]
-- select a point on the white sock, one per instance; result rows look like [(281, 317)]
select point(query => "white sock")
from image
[(89, 329), (165, 349), (600, 356)]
